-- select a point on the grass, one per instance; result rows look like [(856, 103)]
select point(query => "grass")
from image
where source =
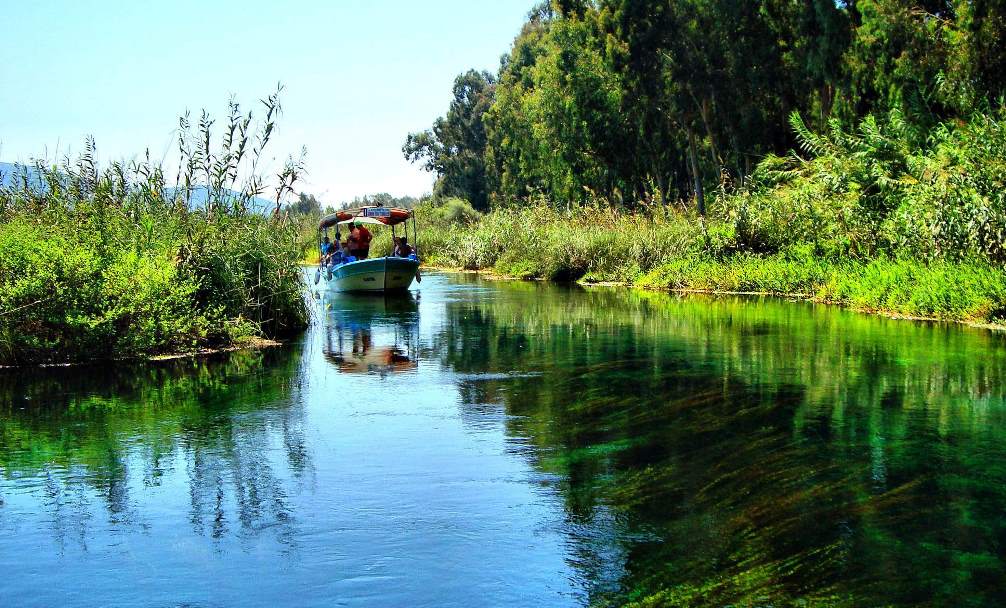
[(672, 251), (971, 292), (113, 264)]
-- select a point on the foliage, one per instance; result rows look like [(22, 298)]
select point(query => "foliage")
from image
[(450, 212), (875, 218), (556, 113), (112, 263), (306, 204), (636, 102), (882, 189)]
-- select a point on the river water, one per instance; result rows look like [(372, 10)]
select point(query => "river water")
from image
[(487, 443)]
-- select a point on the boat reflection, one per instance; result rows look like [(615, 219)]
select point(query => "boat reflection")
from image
[(372, 333)]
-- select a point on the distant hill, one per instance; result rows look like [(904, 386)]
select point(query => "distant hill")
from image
[(11, 173), (8, 171)]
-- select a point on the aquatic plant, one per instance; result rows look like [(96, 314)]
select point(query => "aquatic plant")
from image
[(113, 262)]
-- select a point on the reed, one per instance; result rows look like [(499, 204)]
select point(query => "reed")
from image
[(676, 251), (114, 262)]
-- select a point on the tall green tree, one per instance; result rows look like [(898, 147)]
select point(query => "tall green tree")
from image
[(659, 100), (455, 147), (938, 59), (555, 126)]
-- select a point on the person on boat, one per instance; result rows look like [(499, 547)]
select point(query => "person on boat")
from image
[(360, 241), (351, 240), (326, 249), (402, 248), (336, 255), (346, 255)]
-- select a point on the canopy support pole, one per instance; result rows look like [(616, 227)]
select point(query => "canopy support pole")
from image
[(415, 232)]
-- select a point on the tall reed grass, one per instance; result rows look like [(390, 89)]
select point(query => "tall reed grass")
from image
[(658, 249), (116, 263)]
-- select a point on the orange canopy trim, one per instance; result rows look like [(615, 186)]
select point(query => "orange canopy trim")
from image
[(389, 216)]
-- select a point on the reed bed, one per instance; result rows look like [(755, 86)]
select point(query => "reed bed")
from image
[(118, 262)]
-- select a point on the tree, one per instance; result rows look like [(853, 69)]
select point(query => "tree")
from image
[(637, 101), (555, 126), (306, 204), (455, 147)]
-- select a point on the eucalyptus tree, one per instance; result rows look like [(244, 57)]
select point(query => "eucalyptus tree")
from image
[(556, 126), (454, 148)]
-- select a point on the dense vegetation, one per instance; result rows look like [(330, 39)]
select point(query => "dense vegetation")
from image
[(114, 263), (854, 150)]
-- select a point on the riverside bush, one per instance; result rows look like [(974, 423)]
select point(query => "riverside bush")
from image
[(881, 219), (113, 264), (66, 298)]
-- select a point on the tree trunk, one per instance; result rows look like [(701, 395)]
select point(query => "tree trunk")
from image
[(661, 180), (700, 199), (713, 150), (827, 100)]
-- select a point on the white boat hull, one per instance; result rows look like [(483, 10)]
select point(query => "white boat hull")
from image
[(373, 275)]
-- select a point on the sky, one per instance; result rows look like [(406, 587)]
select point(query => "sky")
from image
[(358, 76)]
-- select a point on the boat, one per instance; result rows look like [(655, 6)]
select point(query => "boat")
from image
[(372, 275)]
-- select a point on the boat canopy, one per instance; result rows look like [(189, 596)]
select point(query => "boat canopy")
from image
[(387, 216)]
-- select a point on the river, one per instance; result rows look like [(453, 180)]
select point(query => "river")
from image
[(484, 443)]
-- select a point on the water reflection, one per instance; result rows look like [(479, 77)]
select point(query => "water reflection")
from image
[(366, 333), (95, 446), (740, 451), (545, 446)]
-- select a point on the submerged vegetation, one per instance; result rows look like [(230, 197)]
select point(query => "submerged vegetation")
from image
[(853, 152), (114, 263), (751, 452)]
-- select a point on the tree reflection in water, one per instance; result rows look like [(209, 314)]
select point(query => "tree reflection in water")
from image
[(737, 450), (692, 451), (108, 433)]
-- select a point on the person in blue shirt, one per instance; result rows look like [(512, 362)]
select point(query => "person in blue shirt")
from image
[(326, 250), (336, 256)]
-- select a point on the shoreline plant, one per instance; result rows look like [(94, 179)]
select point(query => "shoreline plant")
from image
[(108, 263), (874, 219)]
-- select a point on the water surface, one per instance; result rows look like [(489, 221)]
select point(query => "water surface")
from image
[(499, 443)]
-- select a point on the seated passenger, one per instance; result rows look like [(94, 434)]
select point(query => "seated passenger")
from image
[(337, 254), (326, 249), (402, 248)]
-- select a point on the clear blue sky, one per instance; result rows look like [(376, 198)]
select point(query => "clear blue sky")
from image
[(359, 75)]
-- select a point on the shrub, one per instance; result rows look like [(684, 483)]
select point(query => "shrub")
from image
[(455, 211), (114, 264)]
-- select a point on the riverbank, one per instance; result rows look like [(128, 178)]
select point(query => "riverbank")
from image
[(198, 283), (680, 253), (249, 344), (997, 325)]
